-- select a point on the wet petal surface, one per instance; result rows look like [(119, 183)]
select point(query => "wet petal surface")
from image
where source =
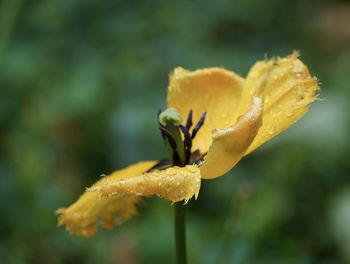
[(174, 184), (81, 217), (287, 90), (229, 145)]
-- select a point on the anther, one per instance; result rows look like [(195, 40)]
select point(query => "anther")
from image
[(199, 125), (164, 163), (189, 120), (187, 143)]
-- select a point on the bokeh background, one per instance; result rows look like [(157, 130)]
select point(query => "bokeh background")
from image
[(81, 82)]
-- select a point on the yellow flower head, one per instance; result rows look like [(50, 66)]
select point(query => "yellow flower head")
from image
[(241, 115)]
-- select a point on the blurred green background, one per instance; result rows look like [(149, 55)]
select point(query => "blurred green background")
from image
[(81, 82)]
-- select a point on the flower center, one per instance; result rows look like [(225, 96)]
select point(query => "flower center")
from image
[(178, 147)]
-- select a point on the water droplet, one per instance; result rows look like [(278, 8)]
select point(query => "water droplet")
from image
[(271, 130), (289, 112), (254, 74), (171, 172), (267, 98), (191, 169)]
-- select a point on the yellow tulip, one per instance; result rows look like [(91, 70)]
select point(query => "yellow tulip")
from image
[(242, 114)]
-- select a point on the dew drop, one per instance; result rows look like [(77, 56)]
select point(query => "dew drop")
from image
[(289, 112), (271, 130), (191, 169), (254, 75), (171, 172)]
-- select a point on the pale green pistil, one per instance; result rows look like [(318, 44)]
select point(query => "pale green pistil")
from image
[(170, 117)]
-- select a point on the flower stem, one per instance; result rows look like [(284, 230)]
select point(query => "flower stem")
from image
[(180, 236), (170, 119)]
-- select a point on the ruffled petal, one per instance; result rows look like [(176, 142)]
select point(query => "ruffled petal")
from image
[(174, 184), (81, 217), (213, 90), (229, 145), (287, 89)]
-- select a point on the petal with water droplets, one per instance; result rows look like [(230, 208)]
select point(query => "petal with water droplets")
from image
[(229, 145), (287, 89), (80, 218), (174, 184)]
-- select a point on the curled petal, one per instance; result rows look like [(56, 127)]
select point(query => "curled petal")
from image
[(229, 145), (80, 218), (287, 89), (174, 184), (213, 90)]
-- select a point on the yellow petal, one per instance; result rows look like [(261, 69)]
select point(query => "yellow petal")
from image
[(288, 90), (174, 184), (213, 90), (80, 218), (229, 145)]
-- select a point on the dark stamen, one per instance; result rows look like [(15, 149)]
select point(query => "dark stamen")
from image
[(176, 159), (189, 120), (195, 158), (158, 113), (199, 125), (187, 143), (162, 163), (200, 160), (168, 135), (160, 125)]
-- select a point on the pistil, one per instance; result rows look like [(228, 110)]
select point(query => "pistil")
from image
[(179, 150), (169, 123)]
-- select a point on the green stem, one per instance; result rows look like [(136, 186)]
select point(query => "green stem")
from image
[(180, 230), (171, 119)]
